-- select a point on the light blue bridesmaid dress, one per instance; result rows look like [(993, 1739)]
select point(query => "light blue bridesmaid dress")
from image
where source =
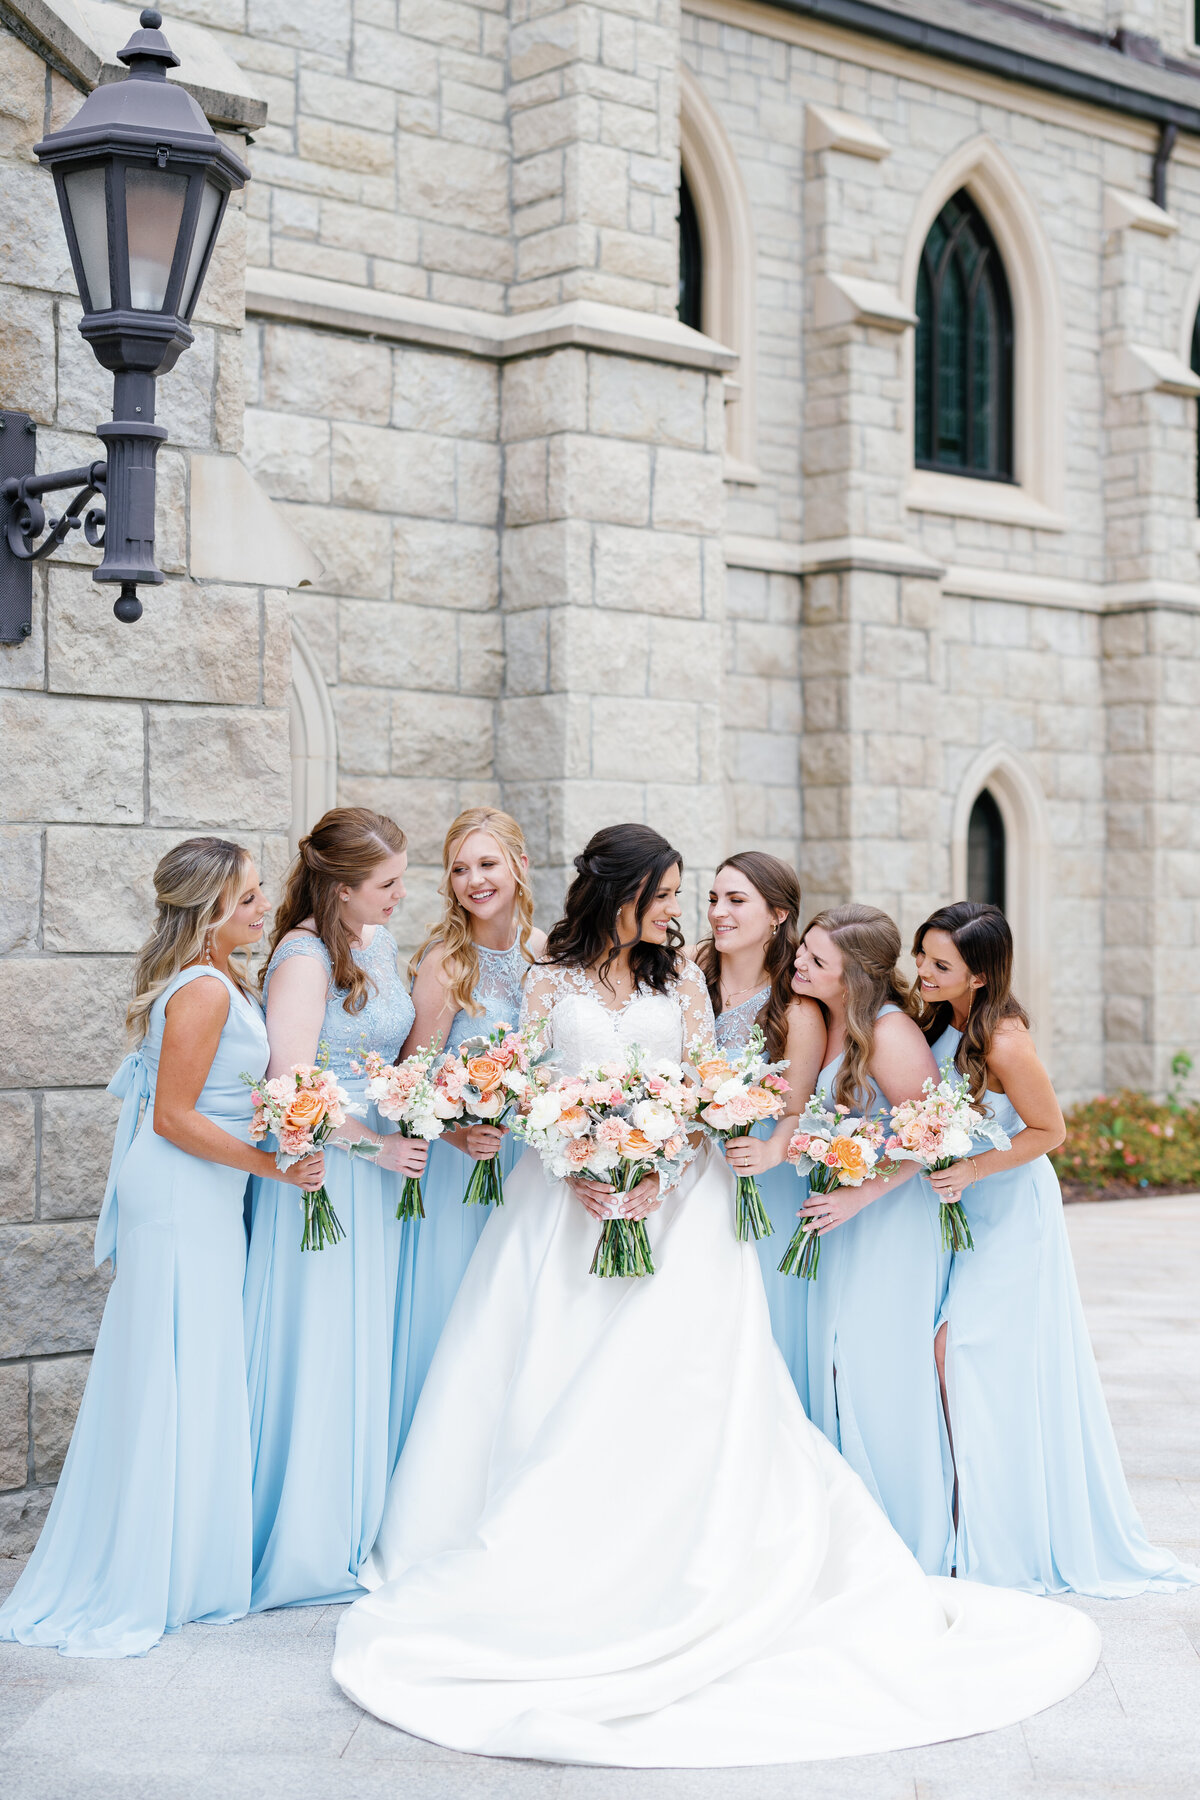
[(321, 1327), (150, 1526), (872, 1381), (782, 1194), (1042, 1499), (450, 1231)]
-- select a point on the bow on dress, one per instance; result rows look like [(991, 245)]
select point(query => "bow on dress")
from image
[(131, 1085)]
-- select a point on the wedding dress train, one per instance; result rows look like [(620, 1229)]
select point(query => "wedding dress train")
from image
[(614, 1536)]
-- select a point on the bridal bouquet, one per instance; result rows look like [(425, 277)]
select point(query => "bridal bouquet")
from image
[(937, 1131), (618, 1121), (405, 1094), (304, 1108), (484, 1082), (834, 1148), (734, 1096)]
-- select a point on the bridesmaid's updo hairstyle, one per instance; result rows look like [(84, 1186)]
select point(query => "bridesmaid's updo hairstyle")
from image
[(779, 886), (453, 930), (197, 886), (620, 863), (982, 937), (340, 851), (869, 944)]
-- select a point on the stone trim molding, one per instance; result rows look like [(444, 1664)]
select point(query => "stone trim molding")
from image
[(1142, 369), (401, 319), (1126, 211), (730, 263), (313, 729), (81, 42), (827, 129), (848, 299), (1028, 849), (1039, 421), (828, 555)]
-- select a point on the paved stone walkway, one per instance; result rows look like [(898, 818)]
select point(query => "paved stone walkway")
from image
[(250, 1710)]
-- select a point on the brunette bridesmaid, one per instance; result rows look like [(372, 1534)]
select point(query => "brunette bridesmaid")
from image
[(150, 1525), (873, 1308), (753, 915), (1042, 1502), (321, 1324), (467, 980)]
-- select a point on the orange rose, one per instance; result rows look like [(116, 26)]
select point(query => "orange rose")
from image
[(637, 1143), (484, 1072), (765, 1103), (847, 1158), (305, 1110), (714, 1072)]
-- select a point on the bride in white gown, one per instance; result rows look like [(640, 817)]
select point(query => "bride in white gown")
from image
[(613, 1536)]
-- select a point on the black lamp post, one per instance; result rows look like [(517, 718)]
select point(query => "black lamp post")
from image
[(142, 183)]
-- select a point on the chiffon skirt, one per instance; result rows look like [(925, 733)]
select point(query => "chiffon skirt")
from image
[(445, 1242), (1043, 1503), (872, 1381), (613, 1536), (320, 1344), (150, 1525), (787, 1297)]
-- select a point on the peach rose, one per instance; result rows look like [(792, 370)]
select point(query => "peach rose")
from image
[(637, 1144), (573, 1120), (304, 1111), (713, 1072), (847, 1158), (484, 1073)]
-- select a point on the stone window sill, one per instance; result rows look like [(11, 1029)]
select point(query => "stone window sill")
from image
[(960, 497)]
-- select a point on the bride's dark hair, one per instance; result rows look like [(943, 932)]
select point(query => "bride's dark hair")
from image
[(620, 863)]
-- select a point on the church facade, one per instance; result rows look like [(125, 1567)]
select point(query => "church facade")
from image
[(773, 421)]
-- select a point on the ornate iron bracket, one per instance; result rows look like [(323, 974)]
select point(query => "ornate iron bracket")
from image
[(23, 518)]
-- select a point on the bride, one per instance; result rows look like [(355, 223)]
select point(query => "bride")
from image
[(613, 1536)]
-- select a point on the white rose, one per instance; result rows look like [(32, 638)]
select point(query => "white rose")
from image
[(544, 1111), (657, 1122)]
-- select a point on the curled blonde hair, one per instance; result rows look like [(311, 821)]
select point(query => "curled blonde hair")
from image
[(460, 954), (196, 888), (342, 848), (869, 944)]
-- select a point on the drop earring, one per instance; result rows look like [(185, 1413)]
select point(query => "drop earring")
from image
[(208, 956)]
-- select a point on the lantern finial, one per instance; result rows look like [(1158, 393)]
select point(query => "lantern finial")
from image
[(148, 53)]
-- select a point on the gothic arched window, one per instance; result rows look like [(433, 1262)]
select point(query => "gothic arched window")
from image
[(964, 348), (1196, 371), (985, 851), (691, 260)]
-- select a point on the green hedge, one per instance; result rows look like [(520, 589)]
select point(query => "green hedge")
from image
[(1129, 1140)]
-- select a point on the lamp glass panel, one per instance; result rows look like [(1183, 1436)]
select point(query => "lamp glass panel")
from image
[(88, 202), (210, 205), (153, 212)]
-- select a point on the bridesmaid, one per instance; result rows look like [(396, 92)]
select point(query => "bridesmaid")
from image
[(150, 1526), (873, 1308), (467, 979), (753, 914), (320, 1325), (1042, 1499)]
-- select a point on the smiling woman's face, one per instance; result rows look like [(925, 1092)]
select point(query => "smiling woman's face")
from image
[(944, 976), (245, 923), (738, 916), (481, 878), (659, 916), (818, 968)]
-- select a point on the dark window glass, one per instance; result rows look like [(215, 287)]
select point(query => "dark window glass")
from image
[(985, 852), (691, 260), (1196, 371), (964, 348)]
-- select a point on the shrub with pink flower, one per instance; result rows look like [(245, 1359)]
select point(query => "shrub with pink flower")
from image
[(486, 1082), (303, 1109), (734, 1096), (619, 1122), (938, 1130), (404, 1093)]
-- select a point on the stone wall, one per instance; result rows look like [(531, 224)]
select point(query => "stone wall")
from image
[(118, 741)]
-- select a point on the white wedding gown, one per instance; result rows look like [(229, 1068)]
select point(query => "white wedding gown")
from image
[(614, 1537)]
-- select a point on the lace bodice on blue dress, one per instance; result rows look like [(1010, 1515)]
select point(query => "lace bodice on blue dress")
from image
[(735, 1023), (382, 1024), (498, 991)]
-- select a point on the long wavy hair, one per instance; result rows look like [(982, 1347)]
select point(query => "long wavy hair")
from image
[(340, 851), (196, 888), (453, 931), (869, 944), (619, 864), (779, 886), (981, 935)]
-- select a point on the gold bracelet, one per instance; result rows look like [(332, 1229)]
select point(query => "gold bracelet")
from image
[(975, 1166)]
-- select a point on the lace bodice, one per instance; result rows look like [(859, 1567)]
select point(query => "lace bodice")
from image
[(735, 1023), (498, 991), (583, 1027), (386, 1019)]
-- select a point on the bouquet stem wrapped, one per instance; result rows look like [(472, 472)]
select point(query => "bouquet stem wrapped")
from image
[(303, 1109), (834, 1149), (623, 1247), (734, 1097)]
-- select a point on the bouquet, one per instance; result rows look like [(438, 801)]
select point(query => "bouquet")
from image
[(618, 1121), (834, 1149), (735, 1096), (484, 1082), (404, 1093), (937, 1131), (304, 1108)]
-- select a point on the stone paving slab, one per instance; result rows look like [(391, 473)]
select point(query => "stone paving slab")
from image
[(249, 1710)]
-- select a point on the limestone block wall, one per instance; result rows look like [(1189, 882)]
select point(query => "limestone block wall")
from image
[(118, 741)]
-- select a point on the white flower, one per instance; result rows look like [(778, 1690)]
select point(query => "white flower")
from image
[(728, 1090), (515, 1082), (444, 1106), (956, 1141), (656, 1121), (544, 1111)]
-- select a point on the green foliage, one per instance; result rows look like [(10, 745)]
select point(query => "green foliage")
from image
[(1129, 1140)]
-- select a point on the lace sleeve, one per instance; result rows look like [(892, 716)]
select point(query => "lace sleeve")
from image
[(305, 943), (542, 986), (691, 993)]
